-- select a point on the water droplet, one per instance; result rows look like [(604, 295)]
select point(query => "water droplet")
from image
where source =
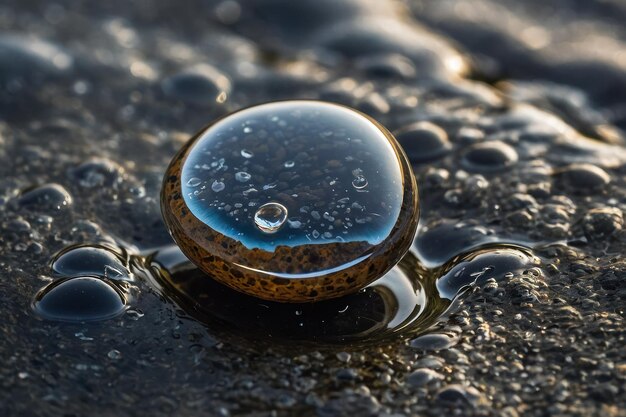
[(114, 354), (585, 178), (48, 197), (218, 186), (360, 182), (32, 58), (443, 239), (479, 266), (270, 217), (243, 176), (98, 172), (90, 260), (79, 299), (194, 182)]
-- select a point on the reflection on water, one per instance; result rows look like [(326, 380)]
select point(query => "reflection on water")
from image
[(96, 282), (404, 298)]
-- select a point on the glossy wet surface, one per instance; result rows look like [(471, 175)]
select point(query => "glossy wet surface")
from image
[(406, 301), (517, 106), (313, 157), (79, 299), (403, 301), (292, 201)]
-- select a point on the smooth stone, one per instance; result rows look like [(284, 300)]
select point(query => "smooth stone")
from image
[(31, 58), (489, 156), (460, 394), (357, 38), (423, 141), (295, 21), (200, 85), (585, 178), (386, 66), (603, 222), (432, 362), (347, 194), (434, 342), (423, 376)]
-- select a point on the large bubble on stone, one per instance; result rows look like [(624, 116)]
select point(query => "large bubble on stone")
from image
[(292, 201)]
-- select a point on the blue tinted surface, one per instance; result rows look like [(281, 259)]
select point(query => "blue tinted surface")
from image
[(79, 299), (332, 168)]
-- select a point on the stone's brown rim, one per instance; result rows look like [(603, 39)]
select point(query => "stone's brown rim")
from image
[(216, 259)]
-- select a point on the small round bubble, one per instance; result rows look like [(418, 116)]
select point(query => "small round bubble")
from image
[(270, 217)]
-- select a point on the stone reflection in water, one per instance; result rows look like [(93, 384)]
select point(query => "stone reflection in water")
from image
[(293, 201), (402, 300)]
